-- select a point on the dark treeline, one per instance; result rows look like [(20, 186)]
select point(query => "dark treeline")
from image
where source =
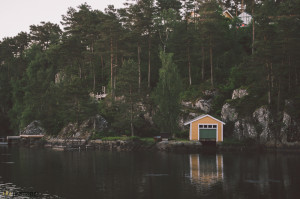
[(49, 73)]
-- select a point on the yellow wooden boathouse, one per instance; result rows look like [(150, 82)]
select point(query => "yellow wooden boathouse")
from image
[(205, 128)]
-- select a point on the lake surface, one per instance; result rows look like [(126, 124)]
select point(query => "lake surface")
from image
[(157, 175)]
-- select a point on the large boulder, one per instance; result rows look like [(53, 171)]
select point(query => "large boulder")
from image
[(256, 127), (263, 118), (187, 104), (97, 123), (228, 113), (204, 105), (210, 93), (290, 129), (239, 93), (244, 129), (85, 130), (34, 128)]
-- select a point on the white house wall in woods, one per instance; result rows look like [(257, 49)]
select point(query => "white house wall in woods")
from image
[(246, 18)]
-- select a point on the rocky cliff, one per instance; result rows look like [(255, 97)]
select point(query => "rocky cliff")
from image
[(260, 124)]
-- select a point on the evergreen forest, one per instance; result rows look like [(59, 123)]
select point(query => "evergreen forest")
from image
[(148, 57)]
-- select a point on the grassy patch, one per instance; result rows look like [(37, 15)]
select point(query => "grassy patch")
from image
[(146, 140), (114, 138), (181, 139)]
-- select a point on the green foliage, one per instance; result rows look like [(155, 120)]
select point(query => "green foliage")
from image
[(167, 95), (182, 135), (91, 52)]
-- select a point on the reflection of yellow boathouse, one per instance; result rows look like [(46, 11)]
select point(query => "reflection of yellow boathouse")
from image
[(206, 170)]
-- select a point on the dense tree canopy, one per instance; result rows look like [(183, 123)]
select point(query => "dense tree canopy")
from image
[(49, 74)]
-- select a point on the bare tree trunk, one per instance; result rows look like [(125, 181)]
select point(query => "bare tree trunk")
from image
[(131, 112), (149, 61), (102, 69), (296, 73), (202, 54), (269, 82), (115, 67), (253, 31), (94, 83), (278, 95), (139, 65), (111, 69), (189, 64), (272, 76), (289, 64), (80, 75), (211, 67)]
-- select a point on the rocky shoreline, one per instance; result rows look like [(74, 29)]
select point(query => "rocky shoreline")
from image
[(163, 146), (122, 145)]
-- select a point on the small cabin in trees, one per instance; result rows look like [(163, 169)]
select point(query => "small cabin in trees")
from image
[(205, 128), (227, 14), (246, 18)]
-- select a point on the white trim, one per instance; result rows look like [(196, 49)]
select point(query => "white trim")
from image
[(202, 116), (191, 168), (191, 132), (226, 11), (217, 135), (222, 133)]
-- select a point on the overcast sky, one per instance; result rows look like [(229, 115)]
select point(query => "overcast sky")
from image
[(18, 15)]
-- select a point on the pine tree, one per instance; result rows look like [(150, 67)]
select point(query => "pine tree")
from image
[(128, 89)]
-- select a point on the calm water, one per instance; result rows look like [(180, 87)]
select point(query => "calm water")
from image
[(95, 174)]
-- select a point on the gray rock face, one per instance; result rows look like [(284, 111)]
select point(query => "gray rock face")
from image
[(34, 128), (210, 93), (239, 93), (286, 123), (85, 130), (263, 116), (98, 123), (290, 129), (148, 118), (244, 129), (204, 105), (187, 104), (256, 127), (59, 77), (228, 113)]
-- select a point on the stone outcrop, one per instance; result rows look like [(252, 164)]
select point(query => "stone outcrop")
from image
[(129, 145), (85, 130), (228, 113), (187, 104), (255, 127), (290, 129), (243, 129), (34, 128), (204, 105), (239, 93), (262, 117), (59, 77), (210, 93)]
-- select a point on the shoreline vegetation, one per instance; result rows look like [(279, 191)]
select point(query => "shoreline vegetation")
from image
[(134, 144)]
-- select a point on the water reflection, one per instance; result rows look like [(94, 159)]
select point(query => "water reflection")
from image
[(206, 170), (147, 175)]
